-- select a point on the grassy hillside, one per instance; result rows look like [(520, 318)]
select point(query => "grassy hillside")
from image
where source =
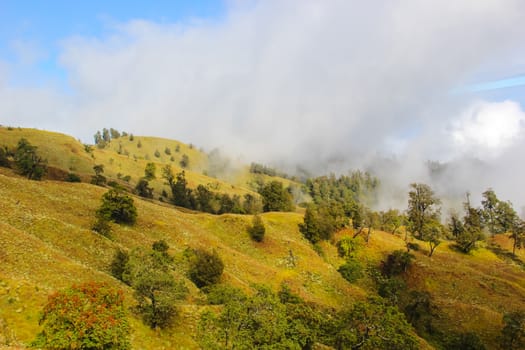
[(46, 243), (127, 156)]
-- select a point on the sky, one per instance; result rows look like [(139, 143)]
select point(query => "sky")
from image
[(382, 85)]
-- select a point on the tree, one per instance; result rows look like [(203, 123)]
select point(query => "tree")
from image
[(422, 207), (257, 229), (157, 292), (252, 204), (149, 171), (513, 332), (245, 323), (98, 179), (106, 136), (373, 325), (205, 268), (505, 216), (156, 289), (28, 162), (167, 150), (468, 232), (391, 220), (182, 195), (489, 203), (517, 234), (432, 233), (185, 161), (157, 153), (276, 197), (322, 221), (143, 189), (86, 316), (117, 206), (115, 134)]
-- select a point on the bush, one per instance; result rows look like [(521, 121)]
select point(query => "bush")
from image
[(102, 226), (464, 341), (396, 263), (72, 178), (347, 247), (4, 160), (257, 230), (276, 197), (143, 189), (222, 293), (513, 333), (205, 268), (27, 162), (118, 207), (119, 264), (351, 271), (86, 316)]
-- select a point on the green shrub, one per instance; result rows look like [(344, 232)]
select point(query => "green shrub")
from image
[(219, 294), (396, 263), (347, 247), (28, 162), (118, 207), (464, 341), (205, 268), (351, 270), (257, 230), (71, 177), (119, 264)]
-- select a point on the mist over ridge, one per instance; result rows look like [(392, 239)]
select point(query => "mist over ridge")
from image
[(329, 86)]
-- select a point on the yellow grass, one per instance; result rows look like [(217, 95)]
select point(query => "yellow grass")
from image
[(46, 244)]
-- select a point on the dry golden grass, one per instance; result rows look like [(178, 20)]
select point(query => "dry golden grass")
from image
[(46, 244)]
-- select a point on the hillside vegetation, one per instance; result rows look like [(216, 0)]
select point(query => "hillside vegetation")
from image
[(47, 244)]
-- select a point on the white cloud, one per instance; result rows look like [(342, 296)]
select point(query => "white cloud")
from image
[(488, 129), (329, 84)]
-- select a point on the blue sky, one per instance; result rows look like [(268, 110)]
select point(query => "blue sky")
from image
[(41, 26)]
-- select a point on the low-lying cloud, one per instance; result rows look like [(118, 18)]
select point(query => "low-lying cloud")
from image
[(330, 85)]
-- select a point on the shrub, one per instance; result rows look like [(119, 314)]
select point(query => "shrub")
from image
[(464, 341), (119, 264), (149, 171), (102, 226), (205, 268), (513, 333), (86, 316), (27, 162), (219, 294), (351, 270), (118, 207), (157, 153), (4, 161), (143, 189), (185, 161), (257, 230), (396, 263), (71, 177), (347, 247)]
